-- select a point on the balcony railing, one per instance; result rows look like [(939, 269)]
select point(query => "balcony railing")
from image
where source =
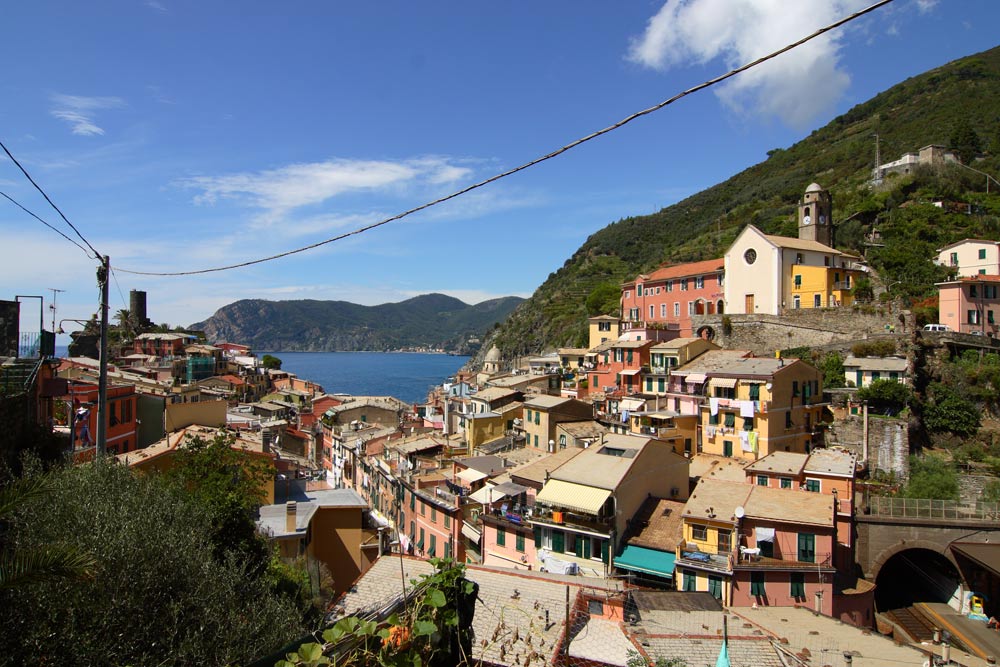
[(749, 559), (842, 285), (700, 556)]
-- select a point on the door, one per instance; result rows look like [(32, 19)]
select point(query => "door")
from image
[(748, 307)]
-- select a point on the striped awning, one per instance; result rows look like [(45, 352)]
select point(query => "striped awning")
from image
[(728, 383), (587, 499), (696, 378), (471, 533)]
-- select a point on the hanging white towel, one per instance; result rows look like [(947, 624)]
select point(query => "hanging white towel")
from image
[(746, 408), (745, 441), (713, 406)]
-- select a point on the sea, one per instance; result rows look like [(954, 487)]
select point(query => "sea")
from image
[(406, 375)]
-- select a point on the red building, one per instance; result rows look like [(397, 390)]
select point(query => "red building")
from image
[(122, 435), (619, 365), (670, 295)]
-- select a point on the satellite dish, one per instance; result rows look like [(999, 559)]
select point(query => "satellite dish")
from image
[(739, 512), (768, 386)]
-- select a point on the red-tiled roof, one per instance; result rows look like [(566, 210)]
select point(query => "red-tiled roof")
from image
[(689, 269)]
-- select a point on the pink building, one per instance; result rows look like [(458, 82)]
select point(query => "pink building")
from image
[(669, 296), (787, 558), (970, 304)]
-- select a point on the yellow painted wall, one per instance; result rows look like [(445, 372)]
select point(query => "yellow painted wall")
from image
[(203, 413)]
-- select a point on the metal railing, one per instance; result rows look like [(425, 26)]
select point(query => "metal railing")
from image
[(926, 508)]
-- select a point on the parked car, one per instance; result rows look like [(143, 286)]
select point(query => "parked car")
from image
[(936, 327)]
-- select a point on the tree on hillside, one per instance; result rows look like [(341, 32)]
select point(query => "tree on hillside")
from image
[(273, 363), (964, 141), (158, 595), (604, 299)]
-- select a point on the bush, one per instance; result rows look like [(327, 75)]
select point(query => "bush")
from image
[(931, 477), (159, 596), (874, 348), (950, 413), (886, 395)]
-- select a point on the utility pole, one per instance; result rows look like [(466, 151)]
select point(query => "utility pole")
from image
[(102, 387)]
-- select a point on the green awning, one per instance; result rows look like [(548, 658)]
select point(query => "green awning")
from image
[(650, 561)]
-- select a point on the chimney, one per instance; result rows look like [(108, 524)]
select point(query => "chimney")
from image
[(291, 516)]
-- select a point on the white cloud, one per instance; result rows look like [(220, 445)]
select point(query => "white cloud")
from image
[(152, 4), (281, 190), (926, 5), (796, 86), (79, 111)]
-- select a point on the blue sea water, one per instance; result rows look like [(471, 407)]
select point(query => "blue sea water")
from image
[(406, 375)]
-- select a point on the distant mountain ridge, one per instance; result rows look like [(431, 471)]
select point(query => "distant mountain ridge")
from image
[(429, 320)]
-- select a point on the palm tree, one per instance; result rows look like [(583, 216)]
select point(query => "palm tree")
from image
[(42, 563)]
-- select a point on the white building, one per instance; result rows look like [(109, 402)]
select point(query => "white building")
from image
[(971, 257)]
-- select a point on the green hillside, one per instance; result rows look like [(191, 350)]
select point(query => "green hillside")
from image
[(429, 320), (933, 108)]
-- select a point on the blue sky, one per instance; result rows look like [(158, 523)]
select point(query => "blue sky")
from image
[(181, 135)]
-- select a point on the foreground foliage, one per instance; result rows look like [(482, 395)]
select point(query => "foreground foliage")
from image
[(159, 595), (435, 629)]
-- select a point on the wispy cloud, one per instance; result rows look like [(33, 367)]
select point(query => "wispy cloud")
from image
[(796, 86), (926, 5), (281, 190), (79, 111), (153, 4)]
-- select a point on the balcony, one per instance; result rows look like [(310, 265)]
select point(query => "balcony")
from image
[(748, 560), (705, 558), (842, 285), (554, 517)]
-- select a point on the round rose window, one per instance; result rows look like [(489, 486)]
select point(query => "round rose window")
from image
[(750, 256)]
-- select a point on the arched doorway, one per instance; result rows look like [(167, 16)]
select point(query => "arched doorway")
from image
[(719, 307)]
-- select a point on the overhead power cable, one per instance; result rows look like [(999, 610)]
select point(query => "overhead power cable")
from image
[(18, 204), (24, 171), (532, 163)]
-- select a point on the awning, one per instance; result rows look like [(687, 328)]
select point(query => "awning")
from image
[(471, 475), (486, 495), (650, 561), (634, 371), (587, 499), (728, 383), (470, 532), (697, 378), (764, 534)]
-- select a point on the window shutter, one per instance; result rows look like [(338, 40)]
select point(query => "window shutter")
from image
[(538, 536), (604, 552), (578, 546), (558, 541)]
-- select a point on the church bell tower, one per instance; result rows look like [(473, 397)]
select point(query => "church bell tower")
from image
[(816, 216)]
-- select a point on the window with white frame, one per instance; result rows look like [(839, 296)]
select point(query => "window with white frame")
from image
[(663, 310), (690, 307), (670, 285), (677, 309), (699, 282)]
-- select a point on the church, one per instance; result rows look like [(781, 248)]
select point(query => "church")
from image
[(768, 274)]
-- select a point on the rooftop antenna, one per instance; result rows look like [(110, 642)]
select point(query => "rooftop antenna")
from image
[(52, 306)]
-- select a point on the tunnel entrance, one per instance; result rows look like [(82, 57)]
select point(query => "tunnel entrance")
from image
[(917, 575)]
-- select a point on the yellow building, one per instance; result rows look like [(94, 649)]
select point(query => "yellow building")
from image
[(602, 329), (755, 406), (706, 555), (679, 431), (543, 413)]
